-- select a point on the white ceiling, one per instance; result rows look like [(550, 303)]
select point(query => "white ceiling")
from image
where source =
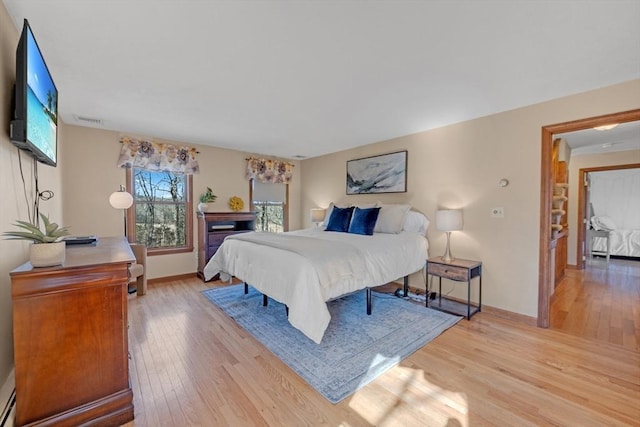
[(624, 137), (307, 78)]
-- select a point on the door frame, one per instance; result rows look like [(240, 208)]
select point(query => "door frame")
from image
[(582, 206), (546, 243)]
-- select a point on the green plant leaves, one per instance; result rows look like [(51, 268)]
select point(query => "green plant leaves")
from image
[(208, 196), (52, 232)]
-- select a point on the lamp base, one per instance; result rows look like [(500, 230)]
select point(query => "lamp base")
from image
[(448, 257)]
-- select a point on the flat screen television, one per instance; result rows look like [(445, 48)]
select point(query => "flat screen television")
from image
[(34, 127)]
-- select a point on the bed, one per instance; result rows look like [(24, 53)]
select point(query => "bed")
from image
[(611, 241), (606, 239), (307, 268)]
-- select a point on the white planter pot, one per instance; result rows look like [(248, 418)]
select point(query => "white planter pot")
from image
[(47, 254), (203, 207)]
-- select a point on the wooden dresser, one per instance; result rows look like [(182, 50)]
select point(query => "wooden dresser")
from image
[(70, 338), (213, 227)]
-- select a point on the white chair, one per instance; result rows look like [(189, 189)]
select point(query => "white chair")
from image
[(137, 270)]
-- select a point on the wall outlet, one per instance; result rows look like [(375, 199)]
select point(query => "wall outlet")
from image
[(497, 212)]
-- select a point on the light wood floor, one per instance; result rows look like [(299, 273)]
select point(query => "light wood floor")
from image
[(601, 302), (193, 365)]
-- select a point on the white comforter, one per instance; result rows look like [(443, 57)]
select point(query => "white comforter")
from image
[(622, 242), (305, 275)]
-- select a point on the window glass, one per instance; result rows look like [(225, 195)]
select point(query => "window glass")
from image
[(162, 210), (269, 216), (270, 204)]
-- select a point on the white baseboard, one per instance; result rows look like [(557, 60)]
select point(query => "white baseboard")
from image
[(7, 401)]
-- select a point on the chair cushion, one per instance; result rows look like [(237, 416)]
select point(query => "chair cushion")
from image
[(135, 270)]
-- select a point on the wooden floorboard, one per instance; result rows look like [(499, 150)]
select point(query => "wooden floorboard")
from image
[(600, 302), (193, 365)]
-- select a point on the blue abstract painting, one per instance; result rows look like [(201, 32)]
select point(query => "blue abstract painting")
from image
[(386, 173)]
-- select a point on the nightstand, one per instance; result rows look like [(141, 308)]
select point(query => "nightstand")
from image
[(459, 270)]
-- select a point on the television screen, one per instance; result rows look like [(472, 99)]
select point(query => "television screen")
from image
[(35, 122)]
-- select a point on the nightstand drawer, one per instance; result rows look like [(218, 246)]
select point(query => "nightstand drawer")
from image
[(448, 271)]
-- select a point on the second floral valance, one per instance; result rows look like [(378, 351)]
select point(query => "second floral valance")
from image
[(269, 171), (156, 156)]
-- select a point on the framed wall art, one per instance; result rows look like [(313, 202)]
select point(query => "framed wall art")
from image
[(386, 173)]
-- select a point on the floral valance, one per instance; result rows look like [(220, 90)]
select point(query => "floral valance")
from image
[(156, 156), (269, 171)]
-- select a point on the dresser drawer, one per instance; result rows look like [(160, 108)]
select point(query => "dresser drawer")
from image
[(448, 271), (215, 239)]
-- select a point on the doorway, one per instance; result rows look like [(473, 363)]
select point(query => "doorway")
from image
[(583, 208), (546, 242)]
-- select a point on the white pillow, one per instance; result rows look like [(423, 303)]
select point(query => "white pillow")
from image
[(391, 218), (416, 222), (603, 223)]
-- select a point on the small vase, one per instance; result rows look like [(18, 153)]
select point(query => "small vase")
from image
[(203, 207), (47, 254)]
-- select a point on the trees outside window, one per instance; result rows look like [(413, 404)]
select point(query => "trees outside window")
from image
[(269, 216), (161, 211), (270, 203)]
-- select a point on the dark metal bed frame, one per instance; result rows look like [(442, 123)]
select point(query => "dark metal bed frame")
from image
[(405, 292)]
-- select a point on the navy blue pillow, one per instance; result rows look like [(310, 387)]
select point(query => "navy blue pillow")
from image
[(339, 219), (363, 221)]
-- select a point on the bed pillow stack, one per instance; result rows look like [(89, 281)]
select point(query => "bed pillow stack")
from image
[(363, 221), (339, 219), (391, 218), (416, 222), (353, 220), (374, 218)]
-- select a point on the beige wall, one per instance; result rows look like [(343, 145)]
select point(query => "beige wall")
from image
[(90, 176), (454, 166), (14, 204), (582, 162), (459, 166)]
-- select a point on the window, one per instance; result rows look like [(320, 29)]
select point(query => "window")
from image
[(270, 203), (161, 211)]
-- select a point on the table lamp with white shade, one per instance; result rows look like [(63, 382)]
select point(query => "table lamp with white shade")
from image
[(448, 220), (317, 216)]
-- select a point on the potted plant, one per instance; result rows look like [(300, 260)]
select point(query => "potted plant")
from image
[(205, 198), (48, 248)]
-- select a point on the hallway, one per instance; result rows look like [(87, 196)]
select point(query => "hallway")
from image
[(600, 302)]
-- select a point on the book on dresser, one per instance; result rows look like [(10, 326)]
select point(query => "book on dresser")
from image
[(213, 227)]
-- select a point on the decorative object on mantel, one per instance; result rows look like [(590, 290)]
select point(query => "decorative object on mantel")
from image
[(386, 173), (448, 220), (236, 203), (205, 198), (557, 207), (269, 171), (48, 248), (156, 156)]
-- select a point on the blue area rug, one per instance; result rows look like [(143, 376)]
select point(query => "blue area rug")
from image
[(355, 349)]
